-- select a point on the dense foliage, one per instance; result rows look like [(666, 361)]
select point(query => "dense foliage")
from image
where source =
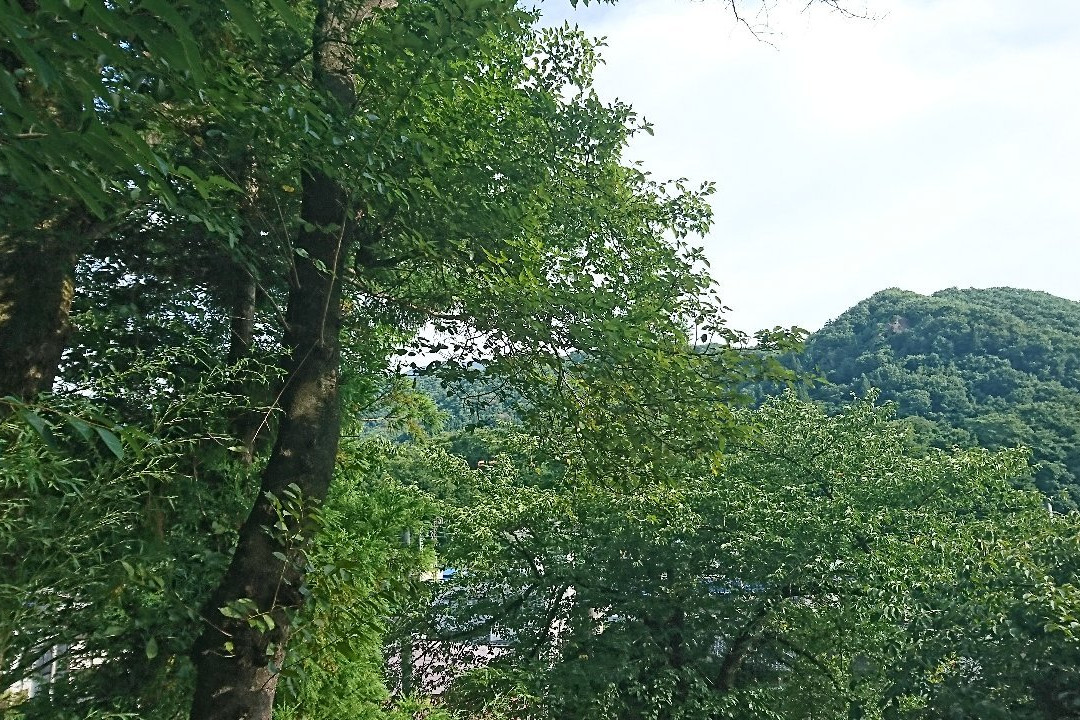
[(824, 565), (225, 230), (232, 237), (993, 368)]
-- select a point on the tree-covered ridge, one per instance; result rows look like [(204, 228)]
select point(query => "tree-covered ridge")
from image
[(994, 367)]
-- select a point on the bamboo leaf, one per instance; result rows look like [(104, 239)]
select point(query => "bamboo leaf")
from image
[(111, 441)]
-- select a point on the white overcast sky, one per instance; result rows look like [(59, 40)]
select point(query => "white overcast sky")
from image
[(936, 146)]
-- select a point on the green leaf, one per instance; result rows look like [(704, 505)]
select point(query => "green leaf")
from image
[(84, 430), (244, 19), (288, 15), (37, 423), (111, 441), (229, 612), (46, 73), (151, 648), (189, 58)]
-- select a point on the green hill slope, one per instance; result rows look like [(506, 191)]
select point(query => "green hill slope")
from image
[(994, 367)]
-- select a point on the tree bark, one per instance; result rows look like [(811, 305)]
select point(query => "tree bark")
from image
[(246, 420), (36, 290), (237, 681), (236, 663), (240, 291)]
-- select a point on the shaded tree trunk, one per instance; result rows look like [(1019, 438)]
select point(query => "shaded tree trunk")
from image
[(37, 270), (235, 662), (245, 421), (236, 681), (36, 290), (240, 290)]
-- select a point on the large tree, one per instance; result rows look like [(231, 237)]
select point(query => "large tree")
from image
[(238, 681), (351, 180), (95, 98)]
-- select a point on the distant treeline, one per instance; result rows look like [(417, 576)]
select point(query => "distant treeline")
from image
[(995, 367)]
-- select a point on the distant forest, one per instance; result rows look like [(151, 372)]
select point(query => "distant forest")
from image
[(992, 368), (995, 368)]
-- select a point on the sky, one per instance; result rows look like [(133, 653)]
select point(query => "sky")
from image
[(934, 146)]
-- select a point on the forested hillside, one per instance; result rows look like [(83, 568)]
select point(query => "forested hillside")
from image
[(997, 367)]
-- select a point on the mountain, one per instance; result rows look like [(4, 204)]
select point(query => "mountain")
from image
[(993, 367)]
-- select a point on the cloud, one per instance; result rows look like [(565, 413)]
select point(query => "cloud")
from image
[(934, 147)]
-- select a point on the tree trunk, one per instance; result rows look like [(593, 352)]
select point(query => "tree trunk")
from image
[(245, 421), (240, 291), (236, 680), (236, 659), (36, 289)]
